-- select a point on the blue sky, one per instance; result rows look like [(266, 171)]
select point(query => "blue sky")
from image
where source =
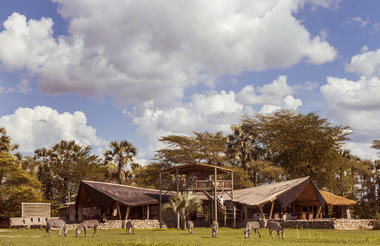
[(97, 71)]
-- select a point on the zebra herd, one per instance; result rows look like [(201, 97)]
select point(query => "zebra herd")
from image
[(86, 224), (250, 226)]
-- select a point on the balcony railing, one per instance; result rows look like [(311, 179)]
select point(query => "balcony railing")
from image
[(202, 185)]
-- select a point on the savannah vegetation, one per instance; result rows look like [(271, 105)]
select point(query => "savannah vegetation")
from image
[(261, 149)]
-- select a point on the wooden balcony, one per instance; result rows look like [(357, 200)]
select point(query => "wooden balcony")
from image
[(199, 185)]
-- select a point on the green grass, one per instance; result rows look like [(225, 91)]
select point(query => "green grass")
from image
[(202, 236)]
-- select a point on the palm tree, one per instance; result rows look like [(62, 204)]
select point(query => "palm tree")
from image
[(184, 203), (239, 147), (120, 154)]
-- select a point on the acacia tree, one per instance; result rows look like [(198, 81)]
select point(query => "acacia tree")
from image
[(202, 147), (302, 144), (121, 154)]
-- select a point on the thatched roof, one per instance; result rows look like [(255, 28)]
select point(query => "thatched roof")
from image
[(104, 195), (335, 200), (196, 167), (301, 190)]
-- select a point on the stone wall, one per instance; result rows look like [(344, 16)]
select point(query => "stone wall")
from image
[(339, 224), (353, 224), (114, 224)]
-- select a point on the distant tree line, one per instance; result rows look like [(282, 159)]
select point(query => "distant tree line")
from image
[(261, 149)]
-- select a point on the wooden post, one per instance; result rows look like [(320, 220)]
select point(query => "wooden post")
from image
[(177, 180), (234, 214), (232, 198), (127, 213), (271, 210), (319, 211), (225, 218), (160, 200), (215, 198), (262, 213), (147, 212)]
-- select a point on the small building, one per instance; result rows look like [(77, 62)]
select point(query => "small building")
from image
[(32, 215), (337, 206)]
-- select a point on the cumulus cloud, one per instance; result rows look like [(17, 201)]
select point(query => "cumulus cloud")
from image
[(43, 126), (356, 103), (137, 51), (213, 111), (366, 63)]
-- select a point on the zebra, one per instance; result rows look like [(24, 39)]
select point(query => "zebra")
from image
[(190, 226), (89, 224), (56, 223), (251, 225), (130, 227), (214, 229), (274, 225)]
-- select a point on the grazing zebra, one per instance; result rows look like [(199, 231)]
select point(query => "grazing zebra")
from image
[(190, 226), (251, 225), (89, 224), (214, 229), (56, 223), (274, 225), (130, 227)]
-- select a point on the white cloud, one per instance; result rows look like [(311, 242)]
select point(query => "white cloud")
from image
[(366, 63), (324, 3), (214, 111), (272, 93), (43, 126), (137, 51), (356, 103)]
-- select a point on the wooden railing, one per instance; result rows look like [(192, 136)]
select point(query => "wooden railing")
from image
[(203, 185)]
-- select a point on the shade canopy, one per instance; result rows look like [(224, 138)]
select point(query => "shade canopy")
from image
[(196, 167), (100, 194), (301, 190)]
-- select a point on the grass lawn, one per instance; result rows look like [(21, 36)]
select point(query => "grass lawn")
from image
[(202, 236)]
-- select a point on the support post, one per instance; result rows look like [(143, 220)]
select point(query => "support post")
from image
[(225, 218), (147, 212), (215, 198), (177, 180), (160, 200), (127, 213), (119, 213), (262, 213), (319, 211), (234, 214), (271, 210), (232, 199)]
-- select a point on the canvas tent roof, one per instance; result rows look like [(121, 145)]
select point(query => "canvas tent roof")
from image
[(335, 200), (103, 194), (302, 189)]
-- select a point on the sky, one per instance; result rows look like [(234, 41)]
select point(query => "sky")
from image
[(96, 71)]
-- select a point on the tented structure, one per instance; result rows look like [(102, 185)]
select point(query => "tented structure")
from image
[(118, 201), (295, 197)]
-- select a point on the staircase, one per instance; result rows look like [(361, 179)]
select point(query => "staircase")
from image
[(229, 212)]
